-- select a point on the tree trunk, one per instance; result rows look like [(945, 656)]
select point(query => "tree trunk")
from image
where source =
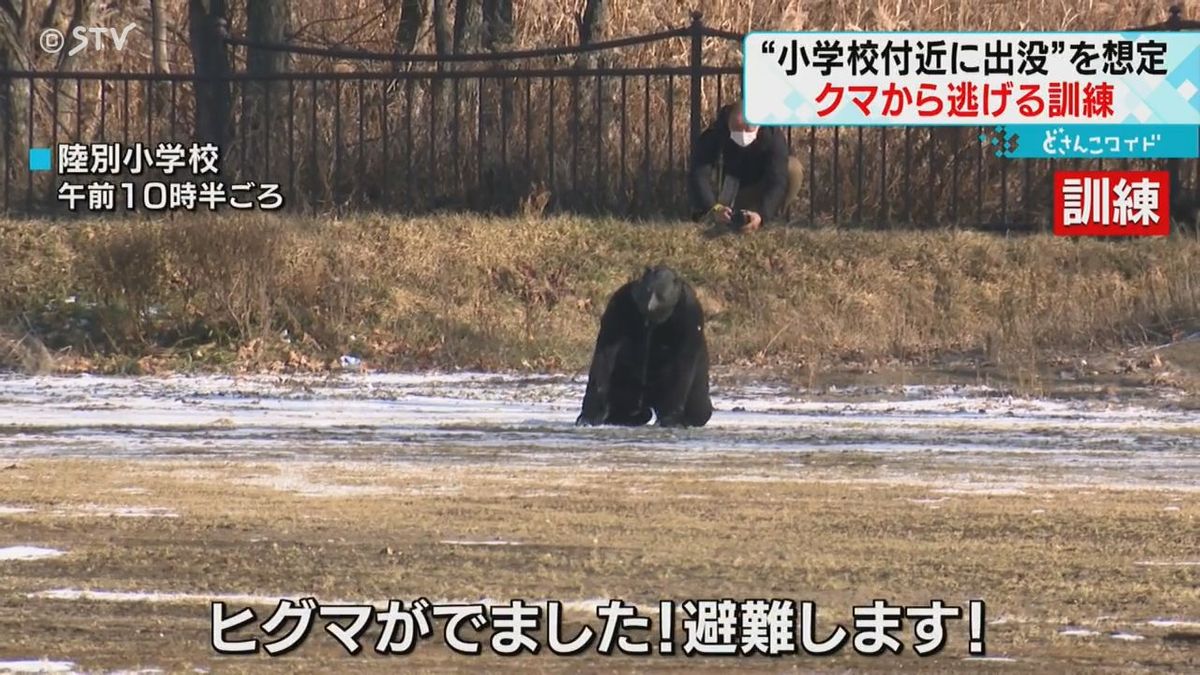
[(440, 98), (415, 18), (441, 28), (158, 38), (468, 24), (497, 25), (505, 181), (593, 22), (267, 22), (14, 93), (206, 26)]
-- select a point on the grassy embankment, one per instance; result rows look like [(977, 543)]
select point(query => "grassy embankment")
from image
[(265, 293)]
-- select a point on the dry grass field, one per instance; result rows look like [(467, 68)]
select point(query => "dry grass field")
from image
[(1056, 480), (295, 294), (154, 495), (1074, 581)]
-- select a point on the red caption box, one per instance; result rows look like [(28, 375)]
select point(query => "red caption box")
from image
[(1112, 203)]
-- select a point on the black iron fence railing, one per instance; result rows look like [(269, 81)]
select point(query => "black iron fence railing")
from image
[(498, 137)]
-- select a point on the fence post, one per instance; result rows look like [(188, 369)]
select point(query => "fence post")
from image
[(1174, 23), (697, 63)]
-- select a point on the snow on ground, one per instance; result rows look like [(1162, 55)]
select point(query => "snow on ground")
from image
[(588, 605), (31, 666), (1173, 623), (517, 420), (8, 553), (96, 510)]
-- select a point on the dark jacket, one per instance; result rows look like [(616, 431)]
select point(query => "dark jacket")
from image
[(766, 159)]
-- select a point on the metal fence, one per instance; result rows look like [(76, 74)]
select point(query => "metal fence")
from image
[(546, 128)]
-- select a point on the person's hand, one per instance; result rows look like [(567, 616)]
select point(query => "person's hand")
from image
[(753, 221)]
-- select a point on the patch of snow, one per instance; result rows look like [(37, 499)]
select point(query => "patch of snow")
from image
[(70, 594), (1173, 623), (517, 420), (31, 666), (27, 553), (150, 596), (1078, 632), (12, 510), (298, 483), (120, 511), (1129, 637), (982, 490)]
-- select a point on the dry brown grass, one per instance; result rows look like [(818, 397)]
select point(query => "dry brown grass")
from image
[(1042, 561), (24, 354), (268, 292)]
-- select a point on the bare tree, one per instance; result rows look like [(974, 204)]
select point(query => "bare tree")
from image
[(593, 22), (441, 27), (268, 22), (158, 37), (468, 26), (207, 26), (415, 18), (497, 24), (14, 93), (19, 29)]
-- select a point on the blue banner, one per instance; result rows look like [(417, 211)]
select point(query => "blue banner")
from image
[(1088, 141)]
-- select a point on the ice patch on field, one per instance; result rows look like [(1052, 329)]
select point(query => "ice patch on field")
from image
[(31, 666), (1128, 637), (997, 491), (527, 421), (13, 510), (1078, 632), (300, 484), (119, 511), (1173, 623), (926, 500), (28, 553), (588, 605), (72, 594)]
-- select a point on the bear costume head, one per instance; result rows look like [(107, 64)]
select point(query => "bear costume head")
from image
[(657, 293)]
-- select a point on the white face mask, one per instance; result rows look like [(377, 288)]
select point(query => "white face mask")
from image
[(743, 138)]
